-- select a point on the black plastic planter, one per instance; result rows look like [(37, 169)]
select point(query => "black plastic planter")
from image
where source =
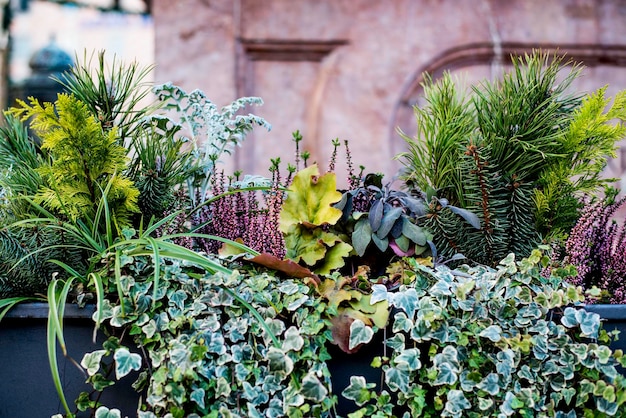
[(26, 386), (613, 318)]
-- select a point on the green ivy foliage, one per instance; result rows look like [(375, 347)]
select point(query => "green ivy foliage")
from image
[(206, 354), (493, 342)]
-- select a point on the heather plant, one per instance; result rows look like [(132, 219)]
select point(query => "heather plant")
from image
[(596, 246), (245, 210)]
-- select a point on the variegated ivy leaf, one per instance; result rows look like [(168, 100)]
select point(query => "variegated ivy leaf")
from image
[(277, 327), (125, 362), (467, 380), (297, 303), (441, 288), (312, 388), (149, 329), (464, 288), (359, 334), (178, 299), (397, 379), (222, 388), (607, 407), (589, 323), (104, 412), (401, 323), (407, 301), (526, 373), (428, 311), (197, 395), (397, 342), (492, 332), (456, 403), (568, 395), (409, 359), (446, 364), (254, 394), (358, 390), (540, 346), (490, 384), (279, 361), (216, 343), (446, 374), (379, 293), (181, 357), (292, 398), (484, 404), (145, 414), (506, 362), (275, 409), (271, 384), (91, 361), (603, 353), (510, 404), (126, 282), (289, 288), (105, 313), (293, 341), (118, 319)]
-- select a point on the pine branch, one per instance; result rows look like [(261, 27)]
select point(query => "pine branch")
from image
[(487, 197), (443, 126)]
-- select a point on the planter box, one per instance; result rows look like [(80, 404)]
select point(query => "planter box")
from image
[(26, 386), (613, 317)]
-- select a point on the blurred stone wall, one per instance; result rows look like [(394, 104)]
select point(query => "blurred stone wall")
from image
[(351, 69), (4, 53)]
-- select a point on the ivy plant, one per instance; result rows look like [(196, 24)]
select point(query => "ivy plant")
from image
[(481, 342), (212, 344)]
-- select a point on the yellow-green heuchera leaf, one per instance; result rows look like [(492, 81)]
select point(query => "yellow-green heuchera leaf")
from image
[(310, 200)]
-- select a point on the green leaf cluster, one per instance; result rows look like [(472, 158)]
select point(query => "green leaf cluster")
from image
[(481, 342), (84, 161), (214, 343), (518, 152), (98, 160), (304, 219)]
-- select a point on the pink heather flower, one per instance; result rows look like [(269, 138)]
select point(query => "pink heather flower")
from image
[(597, 248)]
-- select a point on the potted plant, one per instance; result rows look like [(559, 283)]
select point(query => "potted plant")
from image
[(595, 246), (227, 296)]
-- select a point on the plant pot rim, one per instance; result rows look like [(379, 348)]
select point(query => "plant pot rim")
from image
[(607, 311), (39, 310)]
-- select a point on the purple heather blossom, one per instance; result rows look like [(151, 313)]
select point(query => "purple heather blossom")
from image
[(597, 248)]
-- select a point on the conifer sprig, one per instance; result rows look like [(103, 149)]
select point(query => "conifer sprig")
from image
[(84, 161)]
